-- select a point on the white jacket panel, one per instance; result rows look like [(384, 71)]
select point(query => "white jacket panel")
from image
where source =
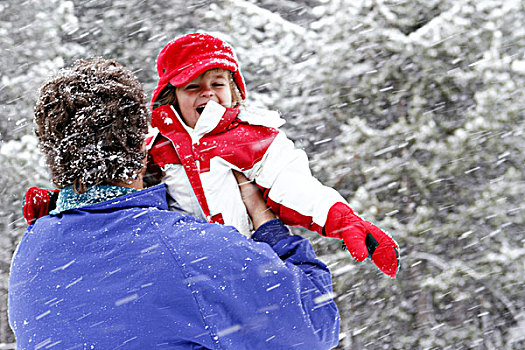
[(224, 197), (179, 188)]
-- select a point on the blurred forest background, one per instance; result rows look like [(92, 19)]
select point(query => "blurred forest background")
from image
[(413, 110)]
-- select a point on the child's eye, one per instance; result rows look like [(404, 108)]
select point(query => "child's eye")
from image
[(219, 84), (192, 87)]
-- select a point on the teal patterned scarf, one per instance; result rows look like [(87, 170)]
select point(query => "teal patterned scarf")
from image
[(68, 199)]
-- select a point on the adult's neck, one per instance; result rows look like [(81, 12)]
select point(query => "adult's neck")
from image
[(136, 183)]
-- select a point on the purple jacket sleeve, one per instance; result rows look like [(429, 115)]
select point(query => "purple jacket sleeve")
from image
[(268, 292), (299, 256)]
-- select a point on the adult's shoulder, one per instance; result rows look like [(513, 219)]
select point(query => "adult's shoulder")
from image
[(183, 229)]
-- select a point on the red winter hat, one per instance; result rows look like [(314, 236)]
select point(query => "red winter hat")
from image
[(186, 57)]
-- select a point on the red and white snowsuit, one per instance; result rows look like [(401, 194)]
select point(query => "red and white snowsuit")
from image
[(198, 166)]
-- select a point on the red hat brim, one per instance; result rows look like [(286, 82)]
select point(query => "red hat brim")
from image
[(196, 69), (193, 71)]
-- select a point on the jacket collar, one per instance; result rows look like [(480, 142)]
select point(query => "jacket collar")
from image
[(213, 120), (99, 198)]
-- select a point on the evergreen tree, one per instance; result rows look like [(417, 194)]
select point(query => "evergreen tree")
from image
[(428, 127), (32, 45)]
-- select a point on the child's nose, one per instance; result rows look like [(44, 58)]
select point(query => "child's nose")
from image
[(207, 91)]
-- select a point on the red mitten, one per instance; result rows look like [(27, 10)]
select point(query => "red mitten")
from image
[(362, 238), (39, 202)]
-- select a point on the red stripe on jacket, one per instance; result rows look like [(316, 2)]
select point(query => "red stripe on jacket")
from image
[(233, 140)]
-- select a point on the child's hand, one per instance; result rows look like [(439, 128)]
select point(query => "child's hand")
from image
[(39, 202), (254, 201), (363, 239)]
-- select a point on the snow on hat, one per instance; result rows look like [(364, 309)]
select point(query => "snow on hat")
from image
[(186, 57)]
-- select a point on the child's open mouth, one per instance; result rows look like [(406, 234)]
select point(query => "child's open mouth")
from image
[(200, 109)]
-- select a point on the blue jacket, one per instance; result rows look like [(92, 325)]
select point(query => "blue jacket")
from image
[(129, 274)]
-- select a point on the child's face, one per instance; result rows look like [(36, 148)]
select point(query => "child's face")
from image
[(213, 85)]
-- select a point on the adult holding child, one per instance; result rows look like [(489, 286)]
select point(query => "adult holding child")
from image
[(205, 139), (112, 267)]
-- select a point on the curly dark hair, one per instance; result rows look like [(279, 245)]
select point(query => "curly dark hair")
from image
[(91, 120)]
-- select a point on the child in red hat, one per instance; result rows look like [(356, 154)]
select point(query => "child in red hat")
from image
[(204, 135)]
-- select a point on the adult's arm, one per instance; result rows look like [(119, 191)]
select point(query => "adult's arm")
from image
[(316, 293), (268, 292), (253, 201)]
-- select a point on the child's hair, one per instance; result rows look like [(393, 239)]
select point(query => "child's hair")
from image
[(185, 58), (91, 121), (168, 97)]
